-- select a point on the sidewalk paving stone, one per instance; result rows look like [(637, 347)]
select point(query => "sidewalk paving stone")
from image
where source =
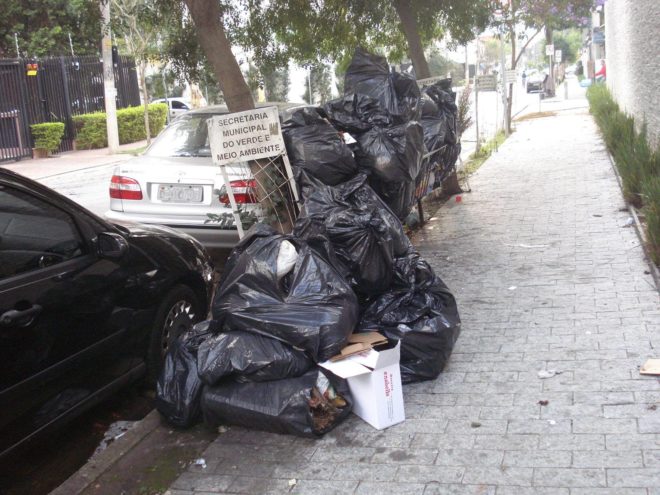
[(546, 277)]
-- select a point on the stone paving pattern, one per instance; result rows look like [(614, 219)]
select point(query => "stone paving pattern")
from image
[(547, 277)]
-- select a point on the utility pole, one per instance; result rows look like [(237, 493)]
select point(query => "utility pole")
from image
[(110, 91), (476, 98), (504, 89), (18, 52)]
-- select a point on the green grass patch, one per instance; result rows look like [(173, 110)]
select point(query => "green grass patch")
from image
[(476, 159), (637, 163)]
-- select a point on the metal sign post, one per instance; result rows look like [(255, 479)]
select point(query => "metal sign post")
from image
[(254, 136)]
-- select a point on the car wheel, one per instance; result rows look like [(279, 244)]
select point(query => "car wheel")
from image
[(178, 312)]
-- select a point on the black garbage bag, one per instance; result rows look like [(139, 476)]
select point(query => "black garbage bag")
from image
[(315, 146), (355, 114), (421, 312), (397, 95), (248, 357), (435, 134), (445, 99), (392, 154), (398, 196), (179, 387), (365, 234), (312, 308), (281, 406)]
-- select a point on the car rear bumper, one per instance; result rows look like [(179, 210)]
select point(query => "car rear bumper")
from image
[(210, 236)]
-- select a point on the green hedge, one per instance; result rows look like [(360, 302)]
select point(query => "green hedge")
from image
[(91, 127), (637, 163), (47, 135)]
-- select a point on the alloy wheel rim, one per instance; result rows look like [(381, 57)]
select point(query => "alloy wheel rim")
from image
[(178, 320)]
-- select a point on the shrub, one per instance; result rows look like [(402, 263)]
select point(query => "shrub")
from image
[(91, 127), (47, 135), (651, 195), (637, 163)]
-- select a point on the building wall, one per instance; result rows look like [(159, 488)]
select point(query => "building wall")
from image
[(632, 46)]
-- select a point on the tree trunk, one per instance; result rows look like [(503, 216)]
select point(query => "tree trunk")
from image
[(550, 86), (213, 39), (409, 27), (145, 96)]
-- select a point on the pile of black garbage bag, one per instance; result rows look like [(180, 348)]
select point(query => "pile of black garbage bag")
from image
[(289, 302)]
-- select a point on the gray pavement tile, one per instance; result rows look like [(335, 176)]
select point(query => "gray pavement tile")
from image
[(266, 486), (453, 489), (573, 442), (569, 477), (403, 456), (203, 482), (537, 458), (428, 474), (643, 477), (372, 488), (322, 487), (498, 476)]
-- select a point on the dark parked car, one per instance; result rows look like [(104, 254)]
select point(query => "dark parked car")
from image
[(86, 306)]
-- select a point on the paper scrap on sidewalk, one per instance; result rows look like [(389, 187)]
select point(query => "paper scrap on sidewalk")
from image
[(650, 367), (548, 373)]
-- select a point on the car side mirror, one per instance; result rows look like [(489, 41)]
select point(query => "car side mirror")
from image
[(111, 246)]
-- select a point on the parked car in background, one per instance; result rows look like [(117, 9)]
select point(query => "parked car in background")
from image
[(86, 306), (175, 183), (535, 80), (177, 106)]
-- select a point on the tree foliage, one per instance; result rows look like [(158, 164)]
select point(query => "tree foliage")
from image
[(43, 27)]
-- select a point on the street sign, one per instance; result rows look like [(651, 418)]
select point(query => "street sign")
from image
[(487, 82), (242, 136), (558, 55), (549, 50), (511, 75)]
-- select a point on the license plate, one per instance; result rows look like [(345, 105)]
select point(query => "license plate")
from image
[(178, 193)]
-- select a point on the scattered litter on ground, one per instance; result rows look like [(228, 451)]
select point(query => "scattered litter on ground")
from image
[(200, 462), (475, 424), (596, 215), (588, 332), (459, 199), (650, 367), (114, 432), (652, 407), (548, 373), (222, 429), (293, 482), (543, 402), (513, 287), (527, 246), (552, 422), (629, 222)]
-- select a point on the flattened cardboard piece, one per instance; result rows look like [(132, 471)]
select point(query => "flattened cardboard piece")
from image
[(374, 378), (650, 367), (358, 343)]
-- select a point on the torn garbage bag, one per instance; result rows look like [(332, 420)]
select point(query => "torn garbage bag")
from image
[(315, 147), (312, 308), (309, 405), (392, 154), (421, 312), (179, 387), (249, 357), (365, 234)]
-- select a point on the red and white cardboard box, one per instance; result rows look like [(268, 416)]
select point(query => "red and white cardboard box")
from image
[(374, 378)]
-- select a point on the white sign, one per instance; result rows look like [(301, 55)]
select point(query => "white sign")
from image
[(558, 55), (549, 50), (510, 75), (242, 136)]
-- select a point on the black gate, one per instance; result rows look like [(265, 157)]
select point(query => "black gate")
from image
[(62, 87)]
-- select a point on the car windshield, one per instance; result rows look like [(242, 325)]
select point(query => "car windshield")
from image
[(186, 136)]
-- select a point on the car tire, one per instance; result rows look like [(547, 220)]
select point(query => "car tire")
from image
[(178, 312)]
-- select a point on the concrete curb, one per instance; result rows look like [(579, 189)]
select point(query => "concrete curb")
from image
[(95, 467), (639, 229)]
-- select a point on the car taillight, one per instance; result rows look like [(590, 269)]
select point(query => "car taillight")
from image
[(124, 188), (244, 192)]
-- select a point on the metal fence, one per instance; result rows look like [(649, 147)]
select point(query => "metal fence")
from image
[(61, 88)]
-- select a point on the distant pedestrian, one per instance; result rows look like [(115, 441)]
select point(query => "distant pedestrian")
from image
[(524, 77)]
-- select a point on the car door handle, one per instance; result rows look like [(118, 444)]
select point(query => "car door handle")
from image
[(13, 315)]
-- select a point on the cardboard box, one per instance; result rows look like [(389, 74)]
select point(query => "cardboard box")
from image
[(374, 378)]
